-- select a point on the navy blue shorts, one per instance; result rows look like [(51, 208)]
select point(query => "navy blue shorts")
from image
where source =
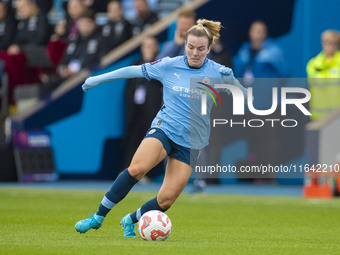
[(181, 153)]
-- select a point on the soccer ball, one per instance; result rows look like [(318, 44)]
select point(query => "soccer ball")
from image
[(154, 226)]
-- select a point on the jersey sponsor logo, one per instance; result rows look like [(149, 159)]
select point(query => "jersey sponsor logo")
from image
[(152, 131), (156, 61), (188, 92)]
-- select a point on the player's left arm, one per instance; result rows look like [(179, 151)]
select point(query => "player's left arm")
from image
[(228, 78)]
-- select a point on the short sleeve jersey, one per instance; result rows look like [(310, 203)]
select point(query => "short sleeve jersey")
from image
[(180, 116)]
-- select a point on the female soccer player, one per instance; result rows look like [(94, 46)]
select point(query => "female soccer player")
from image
[(179, 129)]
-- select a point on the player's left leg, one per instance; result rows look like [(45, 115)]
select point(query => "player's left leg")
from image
[(177, 174), (150, 152)]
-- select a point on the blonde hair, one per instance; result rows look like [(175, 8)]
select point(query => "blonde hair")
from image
[(204, 27), (331, 34)]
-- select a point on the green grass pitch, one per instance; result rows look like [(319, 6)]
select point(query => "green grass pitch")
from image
[(41, 221)]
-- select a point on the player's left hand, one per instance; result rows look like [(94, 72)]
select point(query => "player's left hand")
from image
[(228, 78), (227, 75), (225, 71)]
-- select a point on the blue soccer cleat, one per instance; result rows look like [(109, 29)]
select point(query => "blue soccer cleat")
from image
[(94, 222), (128, 226)]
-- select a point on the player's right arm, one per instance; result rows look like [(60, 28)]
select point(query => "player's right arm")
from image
[(123, 73)]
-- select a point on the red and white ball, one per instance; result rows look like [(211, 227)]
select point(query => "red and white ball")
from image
[(154, 226)]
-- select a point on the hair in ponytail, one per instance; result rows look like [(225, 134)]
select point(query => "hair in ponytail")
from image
[(205, 27)]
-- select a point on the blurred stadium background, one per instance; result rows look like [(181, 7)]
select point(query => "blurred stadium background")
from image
[(59, 153), (71, 135)]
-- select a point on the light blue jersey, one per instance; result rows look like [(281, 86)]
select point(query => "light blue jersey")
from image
[(180, 117)]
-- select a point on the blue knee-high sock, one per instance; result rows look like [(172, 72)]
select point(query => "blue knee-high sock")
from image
[(150, 205), (119, 189)]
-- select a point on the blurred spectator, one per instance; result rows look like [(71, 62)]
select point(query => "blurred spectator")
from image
[(118, 29), (75, 9), (65, 31), (28, 47), (43, 5), (7, 28), (86, 50), (186, 19), (145, 17), (7, 33), (220, 54), (323, 76), (32, 29), (143, 101), (129, 11), (261, 58), (58, 43)]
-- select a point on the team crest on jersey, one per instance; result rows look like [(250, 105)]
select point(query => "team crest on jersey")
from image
[(206, 80), (152, 131), (156, 61)]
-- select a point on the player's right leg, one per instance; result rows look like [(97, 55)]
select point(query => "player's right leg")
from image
[(177, 174), (148, 155)]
